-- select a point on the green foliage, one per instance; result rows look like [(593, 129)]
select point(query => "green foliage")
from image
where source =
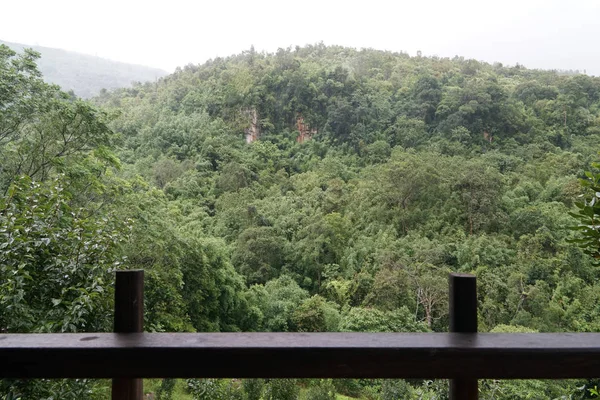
[(60, 239), (348, 387), (253, 388), (55, 260), (207, 389), (166, 389), (316, 315), (87, 75), (260, 254), (416, 167), (50, 389), (215, 389), (529, 389), (282, 389), (588, 214), (395, 389), (432, 390), (276, 303), (372, 320), (43, 130), (321, 389)]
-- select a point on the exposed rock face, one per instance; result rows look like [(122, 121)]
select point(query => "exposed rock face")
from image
[(488, 136), (253, 131), (305, 132)]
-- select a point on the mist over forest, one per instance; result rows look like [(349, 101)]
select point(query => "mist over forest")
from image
[(84, 74)]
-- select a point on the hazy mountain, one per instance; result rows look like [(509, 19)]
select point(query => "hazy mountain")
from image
[(84, 74)]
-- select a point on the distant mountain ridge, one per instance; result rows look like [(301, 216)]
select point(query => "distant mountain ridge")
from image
[(84, 74)]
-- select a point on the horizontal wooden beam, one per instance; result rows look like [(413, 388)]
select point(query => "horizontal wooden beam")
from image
[(300, 355)]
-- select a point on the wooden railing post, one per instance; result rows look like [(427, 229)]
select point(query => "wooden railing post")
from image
[(129, 318), (463, 319)]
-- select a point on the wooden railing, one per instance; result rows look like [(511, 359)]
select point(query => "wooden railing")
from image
[(461, 355)]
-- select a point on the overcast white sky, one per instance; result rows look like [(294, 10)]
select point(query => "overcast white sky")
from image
[(166, 34)]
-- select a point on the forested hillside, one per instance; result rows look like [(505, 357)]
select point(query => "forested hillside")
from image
[(314, 189), (87, 75)]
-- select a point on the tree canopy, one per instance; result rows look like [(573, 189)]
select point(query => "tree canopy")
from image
[(313, 189)]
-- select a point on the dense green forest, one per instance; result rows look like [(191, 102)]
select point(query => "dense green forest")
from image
[(86, 75), (314, 189)]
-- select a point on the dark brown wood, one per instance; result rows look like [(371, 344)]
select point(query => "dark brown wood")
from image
[(464, 389), (129, 301), (301, 355), (463, 303), (463, 319), (129, 318)]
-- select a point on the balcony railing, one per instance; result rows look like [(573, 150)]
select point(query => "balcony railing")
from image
[(463, 356)]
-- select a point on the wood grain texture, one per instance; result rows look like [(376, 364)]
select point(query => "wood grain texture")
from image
[(302, 355)]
